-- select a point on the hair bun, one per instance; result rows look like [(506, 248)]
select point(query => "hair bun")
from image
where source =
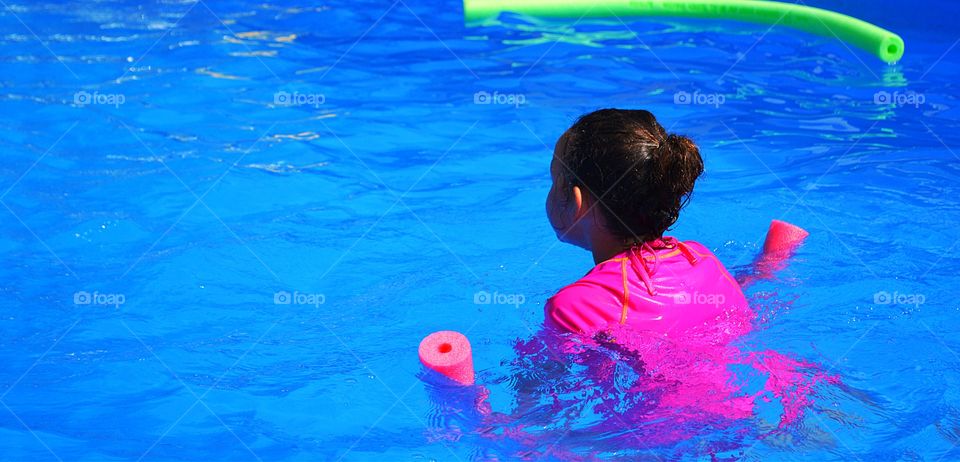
[(677, 144)]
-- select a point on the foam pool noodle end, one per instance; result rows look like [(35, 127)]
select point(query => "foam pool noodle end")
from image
[(783, 238), (448, 353)]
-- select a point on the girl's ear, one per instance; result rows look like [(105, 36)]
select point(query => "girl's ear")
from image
[(577, 201)]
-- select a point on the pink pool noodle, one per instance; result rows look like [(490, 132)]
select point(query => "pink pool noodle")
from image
[(782, 237), (448, 353)]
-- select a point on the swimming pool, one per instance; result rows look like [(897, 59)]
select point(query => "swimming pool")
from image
[(228, 225)]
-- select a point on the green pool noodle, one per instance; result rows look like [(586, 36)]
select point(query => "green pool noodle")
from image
[(878, 41)]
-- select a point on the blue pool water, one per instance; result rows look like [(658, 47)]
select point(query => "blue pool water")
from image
[(196, 269)]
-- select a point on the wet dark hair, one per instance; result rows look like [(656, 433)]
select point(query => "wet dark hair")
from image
[(641, 175)]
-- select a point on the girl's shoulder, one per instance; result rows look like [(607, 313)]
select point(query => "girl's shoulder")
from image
[(699, 249), (583, 306)]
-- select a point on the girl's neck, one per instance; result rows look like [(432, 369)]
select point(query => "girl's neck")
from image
[(606, 248)]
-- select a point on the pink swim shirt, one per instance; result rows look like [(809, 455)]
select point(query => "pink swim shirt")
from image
[(665, 286)]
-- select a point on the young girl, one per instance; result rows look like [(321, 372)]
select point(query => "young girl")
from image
[(619, 182)]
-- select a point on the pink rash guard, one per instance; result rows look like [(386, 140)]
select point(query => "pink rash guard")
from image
[(664, 286)]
